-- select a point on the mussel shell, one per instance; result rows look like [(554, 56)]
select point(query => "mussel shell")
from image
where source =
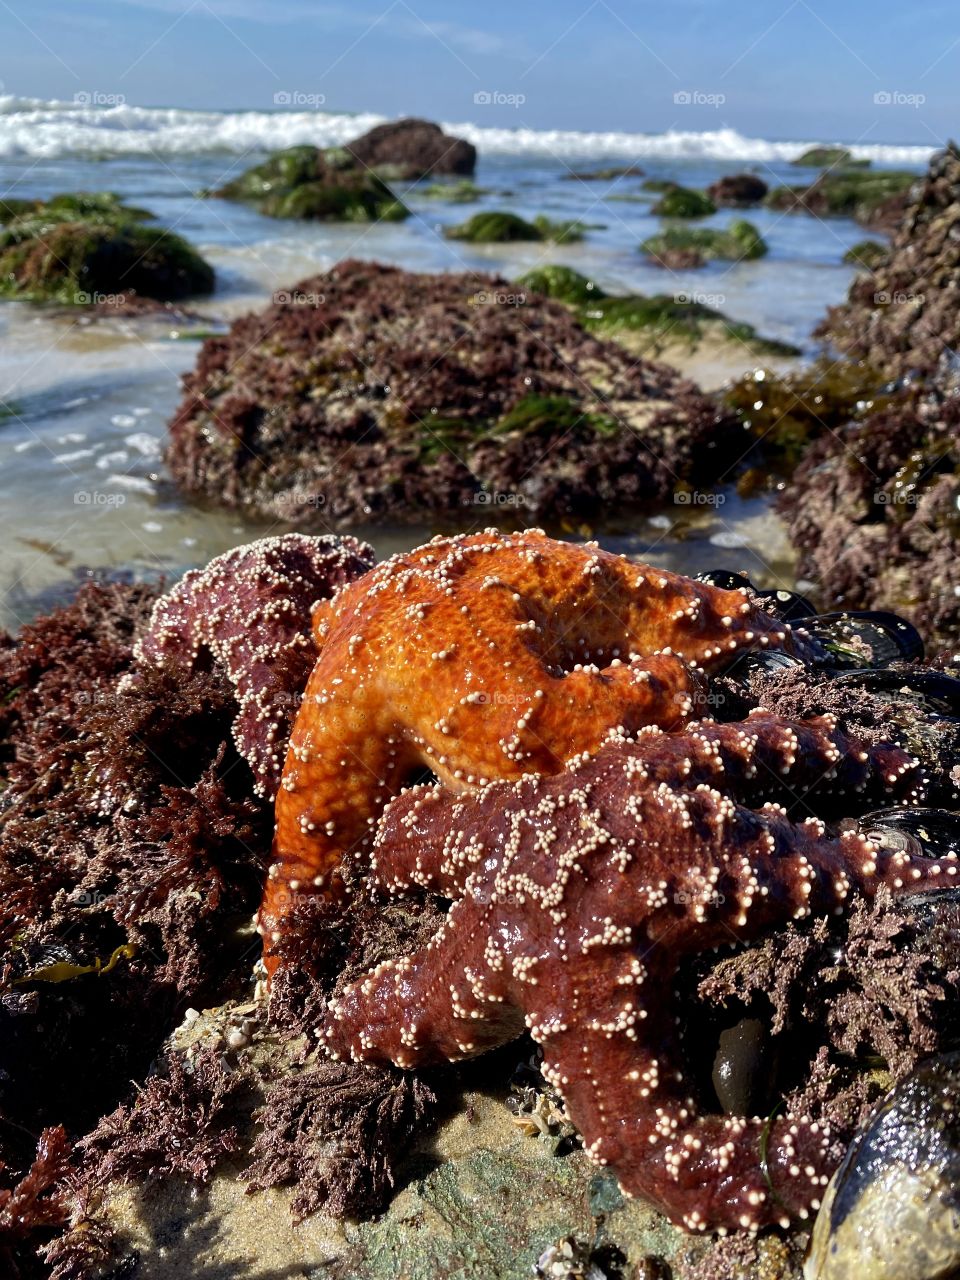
[(889, 637), (927, 833), (933, 690), (892, 1209), (787, 605)]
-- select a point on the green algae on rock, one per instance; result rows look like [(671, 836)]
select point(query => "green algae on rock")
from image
[(325, 185), (786, 413), (829, 158), (499, 227), (868, 254), (873, 198), (462, 192), (683, 202), (694, 246), (80, 249), (662, 318), (399, 395)]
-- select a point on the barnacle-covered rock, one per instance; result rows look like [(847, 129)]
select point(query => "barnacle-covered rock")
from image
[(902, 316)]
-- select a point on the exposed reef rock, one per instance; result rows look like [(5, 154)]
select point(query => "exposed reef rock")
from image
[(904, 316), (91, 250), (874, 198), (375, 393), (679, 248), (409, 149), (738, 191), (320, 185), (873, 508)]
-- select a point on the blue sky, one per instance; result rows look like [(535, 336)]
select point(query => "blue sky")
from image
[(774, 68)]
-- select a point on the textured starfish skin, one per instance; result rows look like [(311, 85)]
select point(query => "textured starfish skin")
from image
[(482, 657), (575, 898), (250, 611)]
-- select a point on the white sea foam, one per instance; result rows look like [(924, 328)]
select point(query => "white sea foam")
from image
[(32, 127)]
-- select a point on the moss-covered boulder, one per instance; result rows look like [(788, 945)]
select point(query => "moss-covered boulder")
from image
[(497, 227), (684, 202), (829, 158), (904, 316), (657, 321), (81, 249), (678, 247), (405, 150), (319, 185), (737, 191), (867, 254), (400, 396), (874, 198)]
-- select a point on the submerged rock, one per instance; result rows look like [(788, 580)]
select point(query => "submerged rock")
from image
[(376, 393), (93, 250), (328, 185), (902, 317), (408, 149)]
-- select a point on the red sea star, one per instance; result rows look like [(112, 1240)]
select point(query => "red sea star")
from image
[(250, 611), (575, 899), (480, 657)]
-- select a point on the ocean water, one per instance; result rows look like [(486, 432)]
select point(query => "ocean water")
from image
[(83, 406)]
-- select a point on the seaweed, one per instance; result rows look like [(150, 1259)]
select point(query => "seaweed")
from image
[(317, 1123)]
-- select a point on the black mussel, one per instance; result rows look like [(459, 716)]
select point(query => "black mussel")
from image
[(866, 638), (931, 690), (928, 833), (787, 605), (892, 1209)]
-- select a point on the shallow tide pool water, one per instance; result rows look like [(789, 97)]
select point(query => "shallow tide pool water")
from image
[(84, 406)]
